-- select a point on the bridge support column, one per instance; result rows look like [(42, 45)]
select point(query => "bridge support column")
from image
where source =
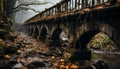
[(33, 32), (38, 36), (72, 34), (31, 29)]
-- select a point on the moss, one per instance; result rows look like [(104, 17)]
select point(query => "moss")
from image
[(2, 47), (5, 27), (101, 41)]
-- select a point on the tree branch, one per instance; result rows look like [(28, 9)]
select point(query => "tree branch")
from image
[(31, 3)]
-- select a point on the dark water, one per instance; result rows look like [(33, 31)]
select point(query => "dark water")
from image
[(112, 59)]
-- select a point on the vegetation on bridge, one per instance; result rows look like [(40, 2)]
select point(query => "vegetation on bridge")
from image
[(103, 42)]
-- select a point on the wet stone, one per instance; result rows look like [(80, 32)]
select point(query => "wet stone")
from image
[(32, 54), (45, 54), (18, 65), (23, 61)]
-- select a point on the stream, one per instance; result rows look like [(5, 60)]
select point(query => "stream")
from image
[(111, 58), (33, 54)]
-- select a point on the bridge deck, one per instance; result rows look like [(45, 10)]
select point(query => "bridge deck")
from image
[(68, 8)]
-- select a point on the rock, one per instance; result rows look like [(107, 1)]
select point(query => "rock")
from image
[(22, 49), (57, 50), (18, 60), (45, 53), (19, 51), (37, 59), (38, 64), (29, 60), (73, 66), (51, 58), (7, 57), (10, 64), (18, 65), (66, 56), (32, 52), (22, 54), (55, 64), (101, 65), (82, 54), (23, 68), (24, 62)]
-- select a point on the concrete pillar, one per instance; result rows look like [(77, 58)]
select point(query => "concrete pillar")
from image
[(72, 34), (33, 33), (31, 30), (38, 27)]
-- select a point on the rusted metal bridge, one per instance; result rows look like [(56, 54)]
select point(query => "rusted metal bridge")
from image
[(75, 18)]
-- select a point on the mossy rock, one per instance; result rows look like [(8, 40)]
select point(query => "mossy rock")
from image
[(96, 46), (3, 34), (4, 21), (2, 47), (66, 56)]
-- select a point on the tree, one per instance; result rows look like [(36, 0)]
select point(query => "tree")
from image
[(25, 6)]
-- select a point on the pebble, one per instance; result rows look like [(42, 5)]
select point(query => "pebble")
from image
[(7, 57)]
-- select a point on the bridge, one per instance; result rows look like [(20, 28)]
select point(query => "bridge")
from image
[(80, 20)]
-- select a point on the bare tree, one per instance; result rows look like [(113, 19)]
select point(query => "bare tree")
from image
[(25, 6)]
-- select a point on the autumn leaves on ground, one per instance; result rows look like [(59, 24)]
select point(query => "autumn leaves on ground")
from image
[(19, 51), (28, 53)]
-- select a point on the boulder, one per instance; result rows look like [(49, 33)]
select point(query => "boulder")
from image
[(82, 54)]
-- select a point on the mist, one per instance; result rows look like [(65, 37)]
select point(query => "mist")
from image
[(26, 11)]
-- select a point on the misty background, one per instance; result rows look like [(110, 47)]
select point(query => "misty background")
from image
[(26, 9)]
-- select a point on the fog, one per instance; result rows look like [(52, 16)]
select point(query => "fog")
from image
[(24, 13)]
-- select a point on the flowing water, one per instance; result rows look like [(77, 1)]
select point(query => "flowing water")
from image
[(111, 58)]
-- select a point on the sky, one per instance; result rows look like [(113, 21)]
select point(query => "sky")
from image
[(22, 15)]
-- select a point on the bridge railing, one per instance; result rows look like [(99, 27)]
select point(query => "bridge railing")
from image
[(66, 7)]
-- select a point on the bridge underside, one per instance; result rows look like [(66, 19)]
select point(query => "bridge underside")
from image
[(79, 28)]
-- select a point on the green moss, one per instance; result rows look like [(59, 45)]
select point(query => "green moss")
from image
[(101, 41), (2, 47)]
